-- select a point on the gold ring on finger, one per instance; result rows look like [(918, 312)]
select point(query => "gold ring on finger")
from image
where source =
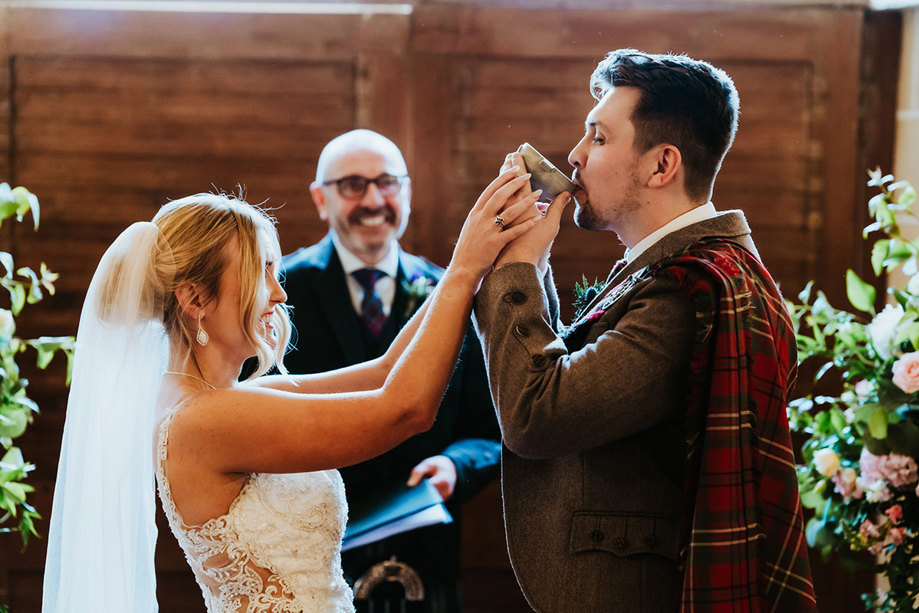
[(499, 221)]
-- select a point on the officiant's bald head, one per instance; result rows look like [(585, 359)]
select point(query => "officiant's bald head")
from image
[(362, 190)]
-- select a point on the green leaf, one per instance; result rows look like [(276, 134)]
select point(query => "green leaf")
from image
[(878, 255), (12, 460), (27, 201), (838, 419), (875, 446), (17, 297), (877, 423), (903, 438), (860, 294), (47, 346), (17, 490), (805, 295), (34, 284), (811, 499), (817, 533)]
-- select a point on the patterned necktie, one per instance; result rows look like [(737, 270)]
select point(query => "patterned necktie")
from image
[(371, 305)]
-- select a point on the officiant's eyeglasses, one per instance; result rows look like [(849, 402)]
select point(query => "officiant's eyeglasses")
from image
[(354, 187)]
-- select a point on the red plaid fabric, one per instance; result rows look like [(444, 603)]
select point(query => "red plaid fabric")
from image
[(746, 549)]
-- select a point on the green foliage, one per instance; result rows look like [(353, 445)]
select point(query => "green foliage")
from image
[(584, 293), (859, 473), (24, 286)]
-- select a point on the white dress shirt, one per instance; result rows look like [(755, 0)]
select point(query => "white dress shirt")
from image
[(385, 286), (699, 213)]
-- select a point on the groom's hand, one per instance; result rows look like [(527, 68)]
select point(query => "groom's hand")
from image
[(440, 470), (533, 247)]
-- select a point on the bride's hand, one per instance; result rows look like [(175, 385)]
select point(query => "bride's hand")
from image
[(500, 215)]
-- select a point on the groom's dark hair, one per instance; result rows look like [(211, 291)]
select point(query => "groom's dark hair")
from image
[(684, 102)]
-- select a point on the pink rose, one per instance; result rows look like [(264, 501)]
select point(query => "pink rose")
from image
[(896, 535), (847, 484), (895, 513), (906, 372)]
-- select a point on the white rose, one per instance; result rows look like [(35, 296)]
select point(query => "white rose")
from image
[(826, 461), (883, 329), (7, 324)]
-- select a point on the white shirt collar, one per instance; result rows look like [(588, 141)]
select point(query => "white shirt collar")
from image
[(697, 214), (350, 262)]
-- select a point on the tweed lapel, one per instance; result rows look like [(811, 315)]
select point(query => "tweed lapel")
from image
[(623, 277), (335, 302)]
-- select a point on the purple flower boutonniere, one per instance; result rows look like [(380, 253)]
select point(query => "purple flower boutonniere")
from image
[(416, 290)]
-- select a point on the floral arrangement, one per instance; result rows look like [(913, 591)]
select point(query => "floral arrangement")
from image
[(16, 409), (860, 473)]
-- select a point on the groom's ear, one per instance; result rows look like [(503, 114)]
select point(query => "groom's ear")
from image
[(190, 299)]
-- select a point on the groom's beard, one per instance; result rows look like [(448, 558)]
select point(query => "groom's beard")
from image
[(587, 217)]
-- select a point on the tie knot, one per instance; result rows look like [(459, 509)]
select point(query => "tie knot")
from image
[(368, 277)]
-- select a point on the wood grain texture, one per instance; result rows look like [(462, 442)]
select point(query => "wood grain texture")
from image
[(108, 114)]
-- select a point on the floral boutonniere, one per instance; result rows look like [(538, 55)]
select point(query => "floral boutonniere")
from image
[(416, 290), (584, 294)]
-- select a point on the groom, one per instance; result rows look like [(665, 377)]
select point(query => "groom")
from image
[(647, 462)]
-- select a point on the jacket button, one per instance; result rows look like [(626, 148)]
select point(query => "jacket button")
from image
[(522, 330), (597, 536), (515, 297), (538, 360)]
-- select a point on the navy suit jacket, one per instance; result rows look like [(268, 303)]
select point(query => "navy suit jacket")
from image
[(328, 335)]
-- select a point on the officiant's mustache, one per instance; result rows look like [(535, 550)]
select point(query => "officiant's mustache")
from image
[(360, 213)]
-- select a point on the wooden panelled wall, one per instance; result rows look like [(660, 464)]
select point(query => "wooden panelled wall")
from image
[(105, 115)]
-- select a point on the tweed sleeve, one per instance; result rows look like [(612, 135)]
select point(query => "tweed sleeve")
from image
[(629, 375)]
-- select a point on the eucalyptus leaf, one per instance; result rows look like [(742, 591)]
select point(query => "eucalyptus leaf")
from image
[(861, 295), (877, 423)]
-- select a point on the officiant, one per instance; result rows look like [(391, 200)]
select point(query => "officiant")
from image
[(351, 293)]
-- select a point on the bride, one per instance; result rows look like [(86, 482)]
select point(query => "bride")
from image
[(245, 471)]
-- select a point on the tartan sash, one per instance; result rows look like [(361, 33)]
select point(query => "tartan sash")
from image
[(742, 519)]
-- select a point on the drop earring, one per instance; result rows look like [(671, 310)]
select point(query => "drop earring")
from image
[(201, 336)]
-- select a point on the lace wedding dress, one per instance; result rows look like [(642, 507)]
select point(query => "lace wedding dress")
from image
[(277, 549)]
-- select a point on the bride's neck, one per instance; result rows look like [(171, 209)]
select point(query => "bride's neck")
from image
[(206, 364)]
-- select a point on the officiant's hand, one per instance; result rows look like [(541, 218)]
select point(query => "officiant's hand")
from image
[(440, 470)]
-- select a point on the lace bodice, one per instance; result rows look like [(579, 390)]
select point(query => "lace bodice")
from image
[(277, 549)]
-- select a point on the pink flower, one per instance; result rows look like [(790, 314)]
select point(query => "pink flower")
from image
[(900, 470), (895, 513), (906, 372), (870, 465), (896, 535), (847, 484), (869, 530)]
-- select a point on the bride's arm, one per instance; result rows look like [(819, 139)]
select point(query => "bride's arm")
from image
[(367, 375), (252, 429)]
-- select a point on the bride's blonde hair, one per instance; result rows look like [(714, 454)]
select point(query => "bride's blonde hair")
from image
[(197, 229)]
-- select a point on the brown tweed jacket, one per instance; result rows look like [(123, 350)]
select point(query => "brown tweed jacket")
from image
[(593, 456)]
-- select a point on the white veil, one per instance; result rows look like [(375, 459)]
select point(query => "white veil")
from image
[(102, 534)]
